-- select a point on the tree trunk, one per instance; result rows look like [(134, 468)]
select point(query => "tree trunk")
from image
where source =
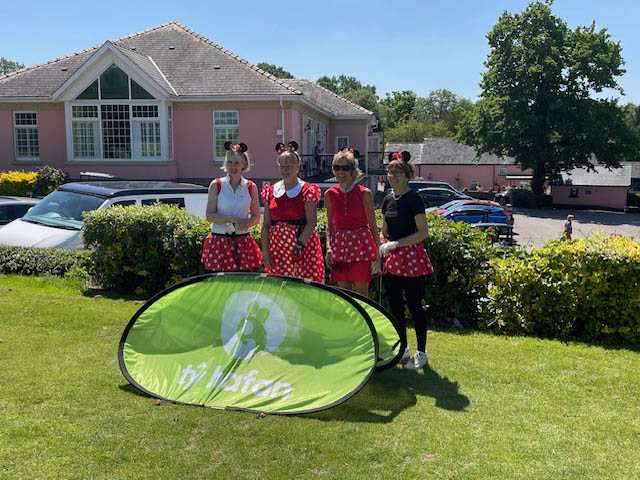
[(537, 182)]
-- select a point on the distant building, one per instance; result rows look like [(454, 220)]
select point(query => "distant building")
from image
[(598, 188), (160, 104), (444, 159)]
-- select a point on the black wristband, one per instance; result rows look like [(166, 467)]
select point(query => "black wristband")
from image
[(299, 243)]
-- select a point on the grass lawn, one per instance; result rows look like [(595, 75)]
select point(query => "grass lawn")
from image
[(489, 407)]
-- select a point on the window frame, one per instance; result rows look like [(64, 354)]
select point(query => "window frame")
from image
[(216, 158), (502, 170), (30, 158), (338, 137)]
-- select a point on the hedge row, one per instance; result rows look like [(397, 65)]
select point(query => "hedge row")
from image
[(42, 261), (588, 289)]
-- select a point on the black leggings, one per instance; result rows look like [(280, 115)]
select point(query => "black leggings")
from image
[(399, 290)]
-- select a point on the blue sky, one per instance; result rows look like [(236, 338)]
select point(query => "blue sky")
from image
[(418, 45)]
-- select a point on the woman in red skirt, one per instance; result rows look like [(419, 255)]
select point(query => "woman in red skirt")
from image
[(352, 233), (232, 208), (406, 263), (290, 243)]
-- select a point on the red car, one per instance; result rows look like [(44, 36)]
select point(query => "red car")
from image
[(507, 210)]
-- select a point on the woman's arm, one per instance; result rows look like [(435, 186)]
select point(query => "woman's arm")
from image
[(329, 209), (420, 235), (371, 216), (311, 215)]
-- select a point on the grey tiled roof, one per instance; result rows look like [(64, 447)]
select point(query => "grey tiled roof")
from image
[(195, 66), (148, 67), (327, 99), (601, 177), (446, 151)]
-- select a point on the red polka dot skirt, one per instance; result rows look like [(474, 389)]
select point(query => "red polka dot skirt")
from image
[(411, 261), (353, 245), (218, 253), (310, 265)]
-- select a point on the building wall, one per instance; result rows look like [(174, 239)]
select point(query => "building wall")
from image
[(461, 176), (608, 197), (6, 139), (356, 130)]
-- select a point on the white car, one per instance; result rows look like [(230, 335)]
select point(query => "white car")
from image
[(56, 222)]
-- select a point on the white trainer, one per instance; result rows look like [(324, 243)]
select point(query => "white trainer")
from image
[(406, 355), (419, 360)]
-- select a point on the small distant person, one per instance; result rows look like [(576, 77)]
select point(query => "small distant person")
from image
[(232, 208), (568, 227), (317, 150)]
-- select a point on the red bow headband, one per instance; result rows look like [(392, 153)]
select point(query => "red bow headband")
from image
[(286, 148), (397, 156), (235, 148), (348, 150)]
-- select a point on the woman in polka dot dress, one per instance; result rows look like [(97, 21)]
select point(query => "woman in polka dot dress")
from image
[(232, 208), (406, 263), (352, 233), (290, 243)]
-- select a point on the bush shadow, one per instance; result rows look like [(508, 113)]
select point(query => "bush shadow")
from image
[(390, 392)]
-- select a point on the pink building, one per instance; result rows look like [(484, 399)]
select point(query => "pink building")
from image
[(598, 188), (160, 104), (445, 160)]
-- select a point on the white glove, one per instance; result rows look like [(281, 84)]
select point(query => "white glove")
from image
[(229, 227), (387, 247)]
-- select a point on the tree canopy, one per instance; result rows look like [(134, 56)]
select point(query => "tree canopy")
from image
[(7, 65), (274, 70), (537, 102)]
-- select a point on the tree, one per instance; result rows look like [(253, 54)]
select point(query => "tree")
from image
[(397, 107), (7, 65), (274, 70), (536, 102), (414, 131), (441, 105), (343, 84)]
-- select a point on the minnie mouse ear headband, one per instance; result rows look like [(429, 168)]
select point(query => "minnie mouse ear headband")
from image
[(240, 147), (352, 151), (289, 147), (404, 156)]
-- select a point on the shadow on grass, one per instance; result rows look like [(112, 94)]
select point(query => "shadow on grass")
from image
[(127, 387), (390, 392), (115, 295)]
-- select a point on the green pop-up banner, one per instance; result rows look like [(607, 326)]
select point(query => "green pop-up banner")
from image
[(252, 342)]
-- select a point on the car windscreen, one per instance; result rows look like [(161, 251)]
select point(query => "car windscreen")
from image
[(63, 210)]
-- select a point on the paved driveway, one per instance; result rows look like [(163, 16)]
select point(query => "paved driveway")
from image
[(534, 227)]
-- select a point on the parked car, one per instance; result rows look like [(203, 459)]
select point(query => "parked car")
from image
[(439, 196), (502, 198), (57, 220), (486, 203), (15, 207), (416, 185), (474, 214)]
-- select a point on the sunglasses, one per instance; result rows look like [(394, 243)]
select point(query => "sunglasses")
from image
[(395, 173), (344, 168)]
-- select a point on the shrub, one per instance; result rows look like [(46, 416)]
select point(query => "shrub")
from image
[(41, 261), (460, 255), (586, 289), (48, 180), (146, 248), (17, 182)]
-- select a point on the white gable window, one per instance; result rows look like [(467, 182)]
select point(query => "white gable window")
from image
[(225, 129), (115, 118), (25, 128), (341, 142)]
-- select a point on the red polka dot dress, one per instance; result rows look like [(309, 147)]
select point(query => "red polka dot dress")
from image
[(352, 245), (222, 252), (286, 210)]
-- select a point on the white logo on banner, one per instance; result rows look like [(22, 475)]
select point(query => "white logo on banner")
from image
[(251, 322)]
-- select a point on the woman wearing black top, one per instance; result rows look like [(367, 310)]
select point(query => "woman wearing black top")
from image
[(406, 263)]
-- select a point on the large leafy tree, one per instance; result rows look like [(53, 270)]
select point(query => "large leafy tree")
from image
[(537, 102), (274, 70), (441, 105), (352, 89), (7, 66)]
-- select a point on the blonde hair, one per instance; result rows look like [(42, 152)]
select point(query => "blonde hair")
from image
[(234, 155), (350, 158), (288, 158), (402, 165)]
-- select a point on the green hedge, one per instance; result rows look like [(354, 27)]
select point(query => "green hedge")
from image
[(41, 261), (144, 248), (523, 197), (587, 289)]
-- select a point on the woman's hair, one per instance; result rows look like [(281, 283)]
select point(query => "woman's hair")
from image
[(400, 161), (238, 151), (287, 154), (351, 156)]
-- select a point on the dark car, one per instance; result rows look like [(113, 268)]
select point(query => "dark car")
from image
[(416, 185), (12, 208), (434, 197), (503, 198)]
